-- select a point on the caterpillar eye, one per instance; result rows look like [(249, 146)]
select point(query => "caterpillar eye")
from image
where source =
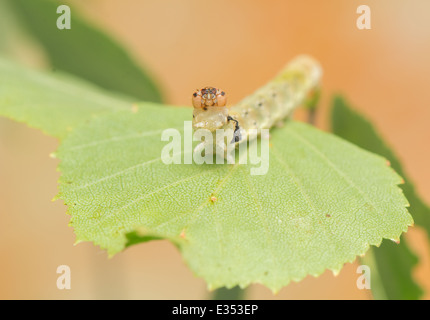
[(196, 100), (221, 98)]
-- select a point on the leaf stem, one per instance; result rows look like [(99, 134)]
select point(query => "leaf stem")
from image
[(235, 293)]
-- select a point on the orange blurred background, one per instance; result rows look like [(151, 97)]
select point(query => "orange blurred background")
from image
[(236, 45)]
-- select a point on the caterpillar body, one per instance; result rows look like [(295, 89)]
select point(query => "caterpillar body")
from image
[(263, 109)]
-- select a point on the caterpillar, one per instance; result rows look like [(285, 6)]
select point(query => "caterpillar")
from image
[(263, 109)]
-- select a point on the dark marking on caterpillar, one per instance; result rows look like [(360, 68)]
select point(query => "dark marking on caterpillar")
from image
[(277, 99), (236, 135)]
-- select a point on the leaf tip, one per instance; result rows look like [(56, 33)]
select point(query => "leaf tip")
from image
[(396, 240), (335, 272), (56, 197), (77, 241), (275, 291), (211, 287)]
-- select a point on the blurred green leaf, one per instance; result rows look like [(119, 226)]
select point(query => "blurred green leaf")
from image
[(394, 262), (391, 266), (8, 29), (84, 50), (54, 104), (235, 293)]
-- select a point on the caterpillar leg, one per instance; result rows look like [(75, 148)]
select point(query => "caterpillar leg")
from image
[(220, 150), (224, 152)]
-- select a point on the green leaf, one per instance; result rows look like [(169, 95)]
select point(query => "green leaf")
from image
[(53, 104), (84, 50), (391, 266), (322, 202), (353, 127), (392, 262)]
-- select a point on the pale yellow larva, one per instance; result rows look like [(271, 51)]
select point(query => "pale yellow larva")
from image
[(264, 108), (277, 99)]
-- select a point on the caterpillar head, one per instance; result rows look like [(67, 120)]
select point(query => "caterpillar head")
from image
[(209, 97)]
